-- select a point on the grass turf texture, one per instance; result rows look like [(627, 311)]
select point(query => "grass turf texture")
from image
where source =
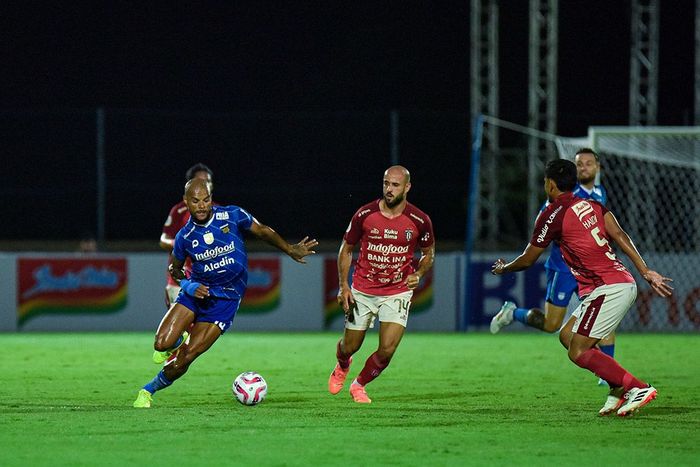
[(446, 399)]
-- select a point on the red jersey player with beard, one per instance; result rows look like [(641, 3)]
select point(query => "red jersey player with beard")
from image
[(583, 229), (388, 231)]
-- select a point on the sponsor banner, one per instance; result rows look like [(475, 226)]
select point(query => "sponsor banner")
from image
[(680, 312), (264, 285), (421, 301), (75, 285)]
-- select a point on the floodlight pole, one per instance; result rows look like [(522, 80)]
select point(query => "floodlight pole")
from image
[(101, 179)]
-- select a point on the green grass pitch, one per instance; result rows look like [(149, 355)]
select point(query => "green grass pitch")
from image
[(446, 399)]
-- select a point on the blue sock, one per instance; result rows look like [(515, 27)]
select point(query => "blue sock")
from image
[(178, 342), (608, 350), (158, 383), (520, 314)]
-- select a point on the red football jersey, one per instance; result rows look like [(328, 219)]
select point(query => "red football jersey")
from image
[(386, 247), (579, 228), (177, 218)]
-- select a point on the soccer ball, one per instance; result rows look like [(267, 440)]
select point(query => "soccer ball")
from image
[(249, 388)]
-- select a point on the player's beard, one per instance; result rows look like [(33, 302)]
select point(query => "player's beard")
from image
[(395, 201), (203, 221), (587, 180)]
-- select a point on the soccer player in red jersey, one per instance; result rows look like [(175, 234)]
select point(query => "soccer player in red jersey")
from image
[(388, 230), (584, 229)]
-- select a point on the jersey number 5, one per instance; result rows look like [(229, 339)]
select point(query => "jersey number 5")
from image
[(601, 241)]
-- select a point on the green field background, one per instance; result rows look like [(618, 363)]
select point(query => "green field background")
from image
[(446, 399)]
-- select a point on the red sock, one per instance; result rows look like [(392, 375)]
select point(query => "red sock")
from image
[(373, 367), (343, 360), (607, 368)]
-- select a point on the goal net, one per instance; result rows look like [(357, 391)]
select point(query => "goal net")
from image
[(652, 176)]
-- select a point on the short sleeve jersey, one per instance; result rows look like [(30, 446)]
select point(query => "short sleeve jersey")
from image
[(386, 247), (579, 228), (177, 218), (217, 250), (555, 260)]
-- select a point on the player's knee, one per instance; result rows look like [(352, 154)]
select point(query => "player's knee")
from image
[(576, 350), (565, 339), (350, 347), (162, 343)]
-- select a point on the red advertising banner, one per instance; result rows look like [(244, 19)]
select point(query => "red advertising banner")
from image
[(264, 285), (70, 285), (421, 301)]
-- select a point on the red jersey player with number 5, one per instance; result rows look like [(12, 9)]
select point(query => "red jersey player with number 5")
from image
[(388, 231), (583, 229)]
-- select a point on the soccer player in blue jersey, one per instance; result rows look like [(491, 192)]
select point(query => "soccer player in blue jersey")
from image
[(209, 299), (561, 284)]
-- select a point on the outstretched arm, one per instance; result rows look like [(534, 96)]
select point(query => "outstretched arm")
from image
[(524, 261), (620, 237), (296, 251)]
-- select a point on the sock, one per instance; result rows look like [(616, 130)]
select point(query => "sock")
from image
[(343, 360), (608, 350), (520, 314), (373, 367), (607, 368), (158, 383)]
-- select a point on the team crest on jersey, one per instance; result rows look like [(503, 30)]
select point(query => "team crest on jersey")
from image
[(225, 229), (208, 238), (409, 234), (582, 208), (222, 216)]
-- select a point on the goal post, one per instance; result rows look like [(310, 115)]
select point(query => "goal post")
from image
[(652, 176)]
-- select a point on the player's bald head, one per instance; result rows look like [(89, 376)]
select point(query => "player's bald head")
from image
[(400, 171), (197, 185)]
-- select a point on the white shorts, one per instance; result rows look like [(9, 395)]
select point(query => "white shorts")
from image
[(389, 308), (601, 311)]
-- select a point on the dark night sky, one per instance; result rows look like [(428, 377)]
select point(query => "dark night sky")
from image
[(158, 69), (327, 55)]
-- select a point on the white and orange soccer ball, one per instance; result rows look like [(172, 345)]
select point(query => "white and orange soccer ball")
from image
[(249, 388)]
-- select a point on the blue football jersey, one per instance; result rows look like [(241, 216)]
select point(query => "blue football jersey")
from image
[(555, 260), (217, 250)]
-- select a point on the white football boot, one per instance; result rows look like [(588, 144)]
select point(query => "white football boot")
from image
[(503, 318), (636, 398), (612, 403)]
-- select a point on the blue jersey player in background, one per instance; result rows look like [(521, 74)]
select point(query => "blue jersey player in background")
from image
[(561, 284), (209, 299)]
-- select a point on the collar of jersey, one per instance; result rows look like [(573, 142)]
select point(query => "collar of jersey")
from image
[(208, 222)]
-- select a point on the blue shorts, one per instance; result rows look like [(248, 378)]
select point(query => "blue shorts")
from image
[(560, 287), (219, 311)]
